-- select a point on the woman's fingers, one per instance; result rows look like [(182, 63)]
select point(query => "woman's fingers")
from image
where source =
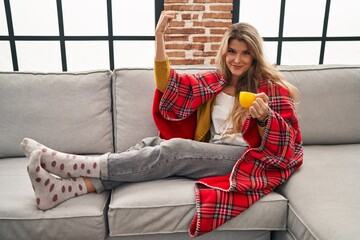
[(165, 18), (260, 108), (263, 96)]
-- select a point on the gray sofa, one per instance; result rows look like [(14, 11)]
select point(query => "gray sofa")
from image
[(95, 112)]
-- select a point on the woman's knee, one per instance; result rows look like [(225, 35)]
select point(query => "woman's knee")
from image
[(178, 144), (146, 142)]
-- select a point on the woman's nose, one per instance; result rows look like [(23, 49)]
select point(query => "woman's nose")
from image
[(238, 58)]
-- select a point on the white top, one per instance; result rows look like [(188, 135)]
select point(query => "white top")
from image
[(221, 124)]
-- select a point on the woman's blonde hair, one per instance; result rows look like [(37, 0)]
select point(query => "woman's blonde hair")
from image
[(259, 70)]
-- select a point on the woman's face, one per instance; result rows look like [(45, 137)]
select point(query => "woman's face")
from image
[(238, 58)]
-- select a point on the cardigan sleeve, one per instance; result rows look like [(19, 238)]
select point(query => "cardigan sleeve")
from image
[(186, 92), (161, 74)]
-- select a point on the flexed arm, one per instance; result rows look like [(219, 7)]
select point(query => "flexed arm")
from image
[(164, 21), (161, 64)]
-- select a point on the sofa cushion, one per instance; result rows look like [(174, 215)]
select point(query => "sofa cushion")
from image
[(132, 96), (324, 196), (214, 235), (323, 89), (329, 111), (157, 207), (70, 112), (83, 217), (133, 92)]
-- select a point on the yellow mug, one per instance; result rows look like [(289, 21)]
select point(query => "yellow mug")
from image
[(246, 99)]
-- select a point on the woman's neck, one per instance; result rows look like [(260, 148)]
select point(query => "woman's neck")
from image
[(230, 90)]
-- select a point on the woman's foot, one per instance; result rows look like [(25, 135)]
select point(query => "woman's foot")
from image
[(49, 190), (62, 164)]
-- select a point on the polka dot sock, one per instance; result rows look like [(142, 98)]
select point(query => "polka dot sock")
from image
[(62, 164), (49, 190)]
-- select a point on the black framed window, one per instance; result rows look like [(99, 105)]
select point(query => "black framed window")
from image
[(305, 32), (67, 35)]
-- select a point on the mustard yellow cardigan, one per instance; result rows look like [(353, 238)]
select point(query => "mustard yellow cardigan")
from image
[(202, 132)]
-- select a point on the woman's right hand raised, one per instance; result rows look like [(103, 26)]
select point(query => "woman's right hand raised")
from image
[(164, 21)]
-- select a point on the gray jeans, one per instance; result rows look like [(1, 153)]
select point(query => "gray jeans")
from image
[(154, 158)]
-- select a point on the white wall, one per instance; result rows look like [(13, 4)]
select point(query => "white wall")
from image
[(303, 18), (81, 18)]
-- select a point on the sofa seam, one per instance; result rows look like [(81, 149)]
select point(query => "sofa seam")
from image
[(144, 234), (185, 231), (185, 204), (148, 207), (307, 68), (302, 222), (292, 234), (75, 73), (112, 106), (48, 219)]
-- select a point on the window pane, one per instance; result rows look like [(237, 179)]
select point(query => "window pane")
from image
[(270, 49), (342, 53), (87, 55), (34, 17), (302, 53), (344, 19), (304, 18), (134, 53), (5, 56), (83, 17), (264, 18), (133, 18), (38, 56), (3, 25)]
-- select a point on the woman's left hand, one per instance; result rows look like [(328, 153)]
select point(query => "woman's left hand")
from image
[(260, 107)]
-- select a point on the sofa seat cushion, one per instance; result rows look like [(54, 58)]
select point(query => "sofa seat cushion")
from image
[(83, 217), (324, 196), (168, 206)]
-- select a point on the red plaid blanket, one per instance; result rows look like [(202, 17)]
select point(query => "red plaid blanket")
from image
[(267, 163)]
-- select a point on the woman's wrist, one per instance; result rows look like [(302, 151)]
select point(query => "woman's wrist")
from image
[(160, 53), (262, 122), (159, 34)]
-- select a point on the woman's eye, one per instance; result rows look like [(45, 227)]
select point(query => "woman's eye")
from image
[(231, 51), (246, 52)]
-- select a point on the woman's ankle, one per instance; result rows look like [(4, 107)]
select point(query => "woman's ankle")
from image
[(89, 186)]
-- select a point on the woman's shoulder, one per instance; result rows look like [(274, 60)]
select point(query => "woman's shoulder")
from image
[(210, 73), (205, 76), (273, 88)]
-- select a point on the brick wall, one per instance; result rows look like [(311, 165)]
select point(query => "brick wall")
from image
[(195, 34)]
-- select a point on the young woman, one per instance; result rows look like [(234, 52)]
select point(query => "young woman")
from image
[(204, 132)]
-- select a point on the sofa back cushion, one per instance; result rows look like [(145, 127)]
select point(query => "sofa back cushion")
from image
[(133, 91), (330, 96), (132, 96), (69, 112)]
